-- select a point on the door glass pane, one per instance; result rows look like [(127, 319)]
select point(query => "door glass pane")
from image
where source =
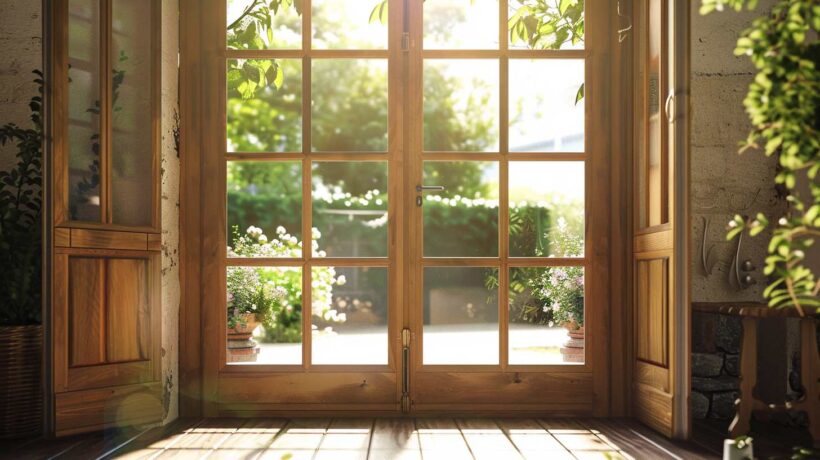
[(132, 140), (546, 24), (462, 220), (461, 105), (460, 315), (655, 124), (84, 110), (258, 25), (546, 315), (264, 315), (350, 209), (349, 24), (546, 208), (461, 24), (349, 107), (349, 315), (264, 108), (546, 105), (264, 209)]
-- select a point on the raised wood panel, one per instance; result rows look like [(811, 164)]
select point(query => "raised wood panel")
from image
[(128, 327), (104, 239), (106, 375), (81, 411), (652, 375), (310, 388), (654, 408), (570, 389), (86, 311), (652, 312)]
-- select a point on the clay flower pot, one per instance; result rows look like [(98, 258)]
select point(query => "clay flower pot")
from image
[(573, 348), (241, 346), (243, 330)]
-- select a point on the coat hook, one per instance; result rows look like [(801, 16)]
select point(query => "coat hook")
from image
[(622, 33)]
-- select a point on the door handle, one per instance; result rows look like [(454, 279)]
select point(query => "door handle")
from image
[(426, 188), (669, 107)]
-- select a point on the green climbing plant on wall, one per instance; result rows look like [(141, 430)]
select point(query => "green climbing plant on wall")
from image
[(782, 104)]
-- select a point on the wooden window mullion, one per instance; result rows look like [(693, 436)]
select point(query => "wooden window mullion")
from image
[(106, 98)]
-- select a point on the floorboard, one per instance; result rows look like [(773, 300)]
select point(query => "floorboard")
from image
[(399, 438)]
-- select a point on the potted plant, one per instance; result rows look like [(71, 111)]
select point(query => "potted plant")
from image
[(251, 301), (21, 332), (562, 289)]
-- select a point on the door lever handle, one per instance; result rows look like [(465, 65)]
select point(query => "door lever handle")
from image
[(429, 188)]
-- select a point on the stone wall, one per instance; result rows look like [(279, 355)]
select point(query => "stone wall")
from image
[(20, 53), (725, 183)]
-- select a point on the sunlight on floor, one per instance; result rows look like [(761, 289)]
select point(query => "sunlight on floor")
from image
[(445, 439)]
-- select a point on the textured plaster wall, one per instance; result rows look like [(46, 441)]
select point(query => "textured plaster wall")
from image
[(723, 182), (170, 209), (20, 53)]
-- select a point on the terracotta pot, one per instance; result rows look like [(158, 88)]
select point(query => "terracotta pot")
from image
[(572, 350), (21, 398), (243, 330)]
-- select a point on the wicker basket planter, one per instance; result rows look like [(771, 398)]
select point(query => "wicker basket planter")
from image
[(21, 399)]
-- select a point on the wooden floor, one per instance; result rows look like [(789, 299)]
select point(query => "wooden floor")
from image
[(406, 438)]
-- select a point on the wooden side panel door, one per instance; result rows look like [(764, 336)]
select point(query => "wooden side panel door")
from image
[(658, 398), (105, 257)]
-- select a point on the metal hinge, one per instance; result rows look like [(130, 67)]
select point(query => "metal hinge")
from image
[(405, 370), (405, 41)]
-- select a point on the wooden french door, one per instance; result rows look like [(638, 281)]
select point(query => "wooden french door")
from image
[(503, 229), (660, 249), (405, 204), (104, 320)]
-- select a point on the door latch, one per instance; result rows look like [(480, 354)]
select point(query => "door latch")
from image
[(426, 188)]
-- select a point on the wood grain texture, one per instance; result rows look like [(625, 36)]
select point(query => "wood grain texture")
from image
[(86, 307), (83, 411), (128, 312), (104, 239), (190, 104)]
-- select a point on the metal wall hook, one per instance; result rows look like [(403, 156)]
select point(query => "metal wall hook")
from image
[(622, 33)]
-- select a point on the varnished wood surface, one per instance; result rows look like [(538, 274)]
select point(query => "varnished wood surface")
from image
[(367, 438), (753, 309)]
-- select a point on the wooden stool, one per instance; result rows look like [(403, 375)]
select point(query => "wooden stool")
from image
[(750, 313)]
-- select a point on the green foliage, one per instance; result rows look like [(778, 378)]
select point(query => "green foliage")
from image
[(275, 294), (782, 104), (20, 219), (547, 24)]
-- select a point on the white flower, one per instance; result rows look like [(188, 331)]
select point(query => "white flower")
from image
[(315, 233), (280, 230), (341, 280), (783, 221), (263, 238), (732, 224)]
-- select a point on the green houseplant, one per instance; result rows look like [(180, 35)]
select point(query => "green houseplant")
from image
[(20, 276), (782, 104)]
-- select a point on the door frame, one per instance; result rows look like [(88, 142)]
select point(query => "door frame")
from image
[(607, 363)]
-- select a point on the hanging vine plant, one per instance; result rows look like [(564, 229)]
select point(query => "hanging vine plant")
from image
[(782, 104)]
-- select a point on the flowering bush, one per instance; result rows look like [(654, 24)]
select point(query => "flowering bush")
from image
[(275, 293)]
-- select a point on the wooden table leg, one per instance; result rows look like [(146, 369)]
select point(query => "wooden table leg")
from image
[(810, 372), (748, 379)]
